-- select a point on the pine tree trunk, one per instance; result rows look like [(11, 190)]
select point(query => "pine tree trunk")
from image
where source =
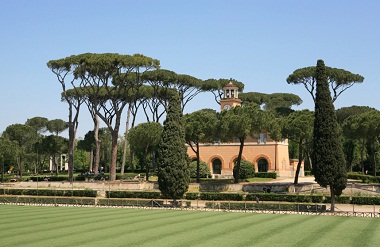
[(91, 168), (113, 156), (125, 140), (300, 159), (97, 145), (198, 179), (236, 174)]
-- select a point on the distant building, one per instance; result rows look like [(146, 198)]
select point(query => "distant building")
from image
[(266, 154), (62, 163)]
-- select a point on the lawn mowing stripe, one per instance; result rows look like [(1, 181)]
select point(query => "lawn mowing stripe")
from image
[(133, 232), (268, 236), (86, 227), (206, 233), (322, 226), (164, 231), (43, 219), (70, 225), (228, 235), (369, 234)]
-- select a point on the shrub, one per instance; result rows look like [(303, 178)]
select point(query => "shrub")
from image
[(192, 196), (366, 200), (133, 194), (204, 170), (44, 192), (308, 173), (284, 197), (247, 170), (210, 196), (266, 175)]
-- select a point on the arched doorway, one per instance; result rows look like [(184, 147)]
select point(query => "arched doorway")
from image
[(217, 166), (262, 165)]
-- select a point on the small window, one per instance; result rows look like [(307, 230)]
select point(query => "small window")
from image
[(262, 138)]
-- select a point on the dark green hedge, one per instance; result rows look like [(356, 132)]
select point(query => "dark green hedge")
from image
[(213, 196), (49, 178), (47, 200), (365, 200), (126, 202), (192, 196), (133, 194), (284, 197), (266, 175), (364, 178), (45, 192), (266, 206)]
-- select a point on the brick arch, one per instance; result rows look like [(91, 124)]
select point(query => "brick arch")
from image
[(209, 162), (231, 163), (256, 159)]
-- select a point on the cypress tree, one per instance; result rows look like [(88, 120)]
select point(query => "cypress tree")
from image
[(327, 157), (173, 163)]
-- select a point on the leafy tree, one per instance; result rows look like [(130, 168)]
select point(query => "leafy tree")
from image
[(199, 171), (240, 122), (354, 139), (164, 82), (328, 158), (339, 80), (366, 127), (38, 124), (88, 145), (109, 79), (54, 145), (64, 71), (56, 126), (23, 135), (173, 164), (298, 127), (144, 139), (200, 127), (8, 152), (246, 170), (345, 112)]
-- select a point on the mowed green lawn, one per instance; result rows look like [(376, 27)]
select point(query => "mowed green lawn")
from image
[(75, 226)]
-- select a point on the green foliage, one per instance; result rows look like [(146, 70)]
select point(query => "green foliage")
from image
[(285, 197), (173, 164), (363, 178), (45, 192), (47, 200), (247, 170), (204, 170), (56, 126), (365, 200), (266, 175), (133, 194), (328, 158), (188, 196), (213, 196), (339, 80)]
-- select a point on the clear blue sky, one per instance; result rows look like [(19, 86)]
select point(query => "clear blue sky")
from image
[(256, 42)]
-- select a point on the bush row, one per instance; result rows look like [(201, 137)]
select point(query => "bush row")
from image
[(214, 196), (44, 192), (47, 200), (266, 175), (267, 206), (364, 178), (133, 194)]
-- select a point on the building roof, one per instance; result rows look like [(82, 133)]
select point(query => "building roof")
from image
[(230, 85)]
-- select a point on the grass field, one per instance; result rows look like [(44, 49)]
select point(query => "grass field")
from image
[(64, 226)]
